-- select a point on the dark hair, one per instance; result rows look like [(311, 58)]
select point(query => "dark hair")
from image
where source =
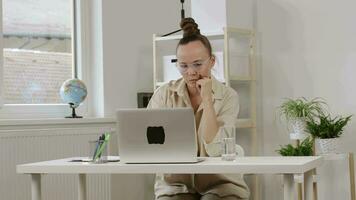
[(191, 33)]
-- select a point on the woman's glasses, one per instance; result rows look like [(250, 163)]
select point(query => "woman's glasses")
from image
[(196, 66)]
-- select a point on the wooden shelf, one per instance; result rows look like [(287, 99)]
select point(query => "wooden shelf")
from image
[(241, 78), (244, 123)]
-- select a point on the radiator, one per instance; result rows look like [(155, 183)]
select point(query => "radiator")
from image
[(33, 145)]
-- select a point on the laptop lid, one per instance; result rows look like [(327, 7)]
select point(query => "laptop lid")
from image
[(157, 135)]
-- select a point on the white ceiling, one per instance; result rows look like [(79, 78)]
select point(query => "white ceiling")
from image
[(37, 17)]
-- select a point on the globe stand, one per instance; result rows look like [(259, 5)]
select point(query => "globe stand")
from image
[(74, 115)]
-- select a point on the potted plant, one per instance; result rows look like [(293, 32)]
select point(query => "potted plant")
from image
[(297, 111), (326, 131), (304, 149)]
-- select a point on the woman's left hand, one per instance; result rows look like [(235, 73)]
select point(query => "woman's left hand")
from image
[(204, 86)]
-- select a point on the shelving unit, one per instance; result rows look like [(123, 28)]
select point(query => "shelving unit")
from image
[(229, 78), (226, 39)]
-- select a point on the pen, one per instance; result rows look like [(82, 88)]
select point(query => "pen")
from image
[(103, 142), (97, 146), (102, 145)]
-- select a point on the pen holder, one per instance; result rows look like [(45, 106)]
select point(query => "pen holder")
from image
[(98, 151)]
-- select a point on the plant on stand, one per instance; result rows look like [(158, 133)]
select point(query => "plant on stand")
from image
[(327, 130), (298, 111)]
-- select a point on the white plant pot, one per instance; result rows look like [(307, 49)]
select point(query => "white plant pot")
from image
[(298, 127), (328, 146)]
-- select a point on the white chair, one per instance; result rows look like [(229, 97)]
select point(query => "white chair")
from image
[(239, 151)]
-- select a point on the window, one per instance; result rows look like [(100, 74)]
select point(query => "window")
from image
[(37, 50), (39, 39)]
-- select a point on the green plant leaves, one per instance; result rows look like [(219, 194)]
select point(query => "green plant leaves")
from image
[(318, 124), (301, 108), (304, 149), (327, 127)]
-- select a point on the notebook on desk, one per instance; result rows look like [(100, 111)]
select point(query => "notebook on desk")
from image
[(157, 135)]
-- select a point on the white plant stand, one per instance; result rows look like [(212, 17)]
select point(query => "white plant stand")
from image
[(337, 159), (297, 137)]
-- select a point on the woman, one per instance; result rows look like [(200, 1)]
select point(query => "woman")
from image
[(214, 105)]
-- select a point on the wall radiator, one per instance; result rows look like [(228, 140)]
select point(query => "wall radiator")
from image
[(33, 145)]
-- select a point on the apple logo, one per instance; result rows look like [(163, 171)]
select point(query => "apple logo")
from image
[(155, 135)]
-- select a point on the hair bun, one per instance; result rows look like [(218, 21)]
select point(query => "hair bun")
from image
[(189, 27)]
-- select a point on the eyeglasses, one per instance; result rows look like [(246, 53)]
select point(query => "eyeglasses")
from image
[(183, 67)]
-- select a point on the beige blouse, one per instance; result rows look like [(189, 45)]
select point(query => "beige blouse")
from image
[(175, 94)]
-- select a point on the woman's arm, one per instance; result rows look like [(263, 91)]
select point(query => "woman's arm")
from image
[(209, 118), (211, 121)]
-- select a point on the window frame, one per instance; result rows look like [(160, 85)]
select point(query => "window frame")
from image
[(81, 43)]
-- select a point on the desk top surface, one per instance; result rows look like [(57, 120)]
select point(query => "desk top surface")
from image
[(210, 165)]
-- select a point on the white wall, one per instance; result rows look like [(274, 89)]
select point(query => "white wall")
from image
[(307, 49), (128, 27)]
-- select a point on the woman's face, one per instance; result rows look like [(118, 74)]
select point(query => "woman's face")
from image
[(194, 62)]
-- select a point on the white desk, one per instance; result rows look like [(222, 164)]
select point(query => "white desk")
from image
[(288, 166)]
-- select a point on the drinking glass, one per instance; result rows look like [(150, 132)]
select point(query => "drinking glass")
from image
[(228, 143)]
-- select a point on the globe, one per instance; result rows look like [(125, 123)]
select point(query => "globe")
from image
[(73, 92)]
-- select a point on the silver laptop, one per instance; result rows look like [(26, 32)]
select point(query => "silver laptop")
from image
[(157, 135)]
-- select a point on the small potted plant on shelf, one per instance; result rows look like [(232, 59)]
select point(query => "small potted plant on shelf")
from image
[(298, 111), (304, 149), (326, 131)]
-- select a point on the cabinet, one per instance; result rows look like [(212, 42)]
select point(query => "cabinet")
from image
[(236, 67)]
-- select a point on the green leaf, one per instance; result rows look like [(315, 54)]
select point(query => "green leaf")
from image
[(304, 149), (327, 127), (301, 108)]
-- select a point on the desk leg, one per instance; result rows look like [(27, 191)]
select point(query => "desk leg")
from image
[(82, 189), (289, 187), (308, 185), (36, 186)]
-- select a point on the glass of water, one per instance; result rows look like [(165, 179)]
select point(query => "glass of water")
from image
[(228, 143)]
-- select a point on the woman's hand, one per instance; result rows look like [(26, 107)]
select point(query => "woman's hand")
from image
[(204, 86)]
